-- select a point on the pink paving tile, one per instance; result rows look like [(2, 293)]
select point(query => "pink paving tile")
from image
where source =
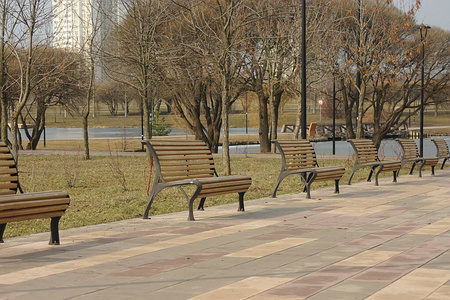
[(387, 273), (314, 282), (407, 261), (326, 208), (376, 239), (392, 212), (167, 265), (277, 235)]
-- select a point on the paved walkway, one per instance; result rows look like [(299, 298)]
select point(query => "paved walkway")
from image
[(385, 242)]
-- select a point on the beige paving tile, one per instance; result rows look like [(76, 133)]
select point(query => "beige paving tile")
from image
[(368, 258), (436, 228), (437, 205), (243, 289), (363, 210), (416, 285), (52, 269), (271, 248), (442, 293)]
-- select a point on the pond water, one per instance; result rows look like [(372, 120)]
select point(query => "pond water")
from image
[(388, 147)]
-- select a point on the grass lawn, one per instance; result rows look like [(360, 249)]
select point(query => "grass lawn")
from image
[(99, 194)]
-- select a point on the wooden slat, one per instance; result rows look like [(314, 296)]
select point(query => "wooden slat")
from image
[(33, 196), (34, 216), (31, 211), (35, 203)]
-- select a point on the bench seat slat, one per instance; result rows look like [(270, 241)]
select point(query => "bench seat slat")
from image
[(34, 203), (32, 211), (42, 215), (33, 196)]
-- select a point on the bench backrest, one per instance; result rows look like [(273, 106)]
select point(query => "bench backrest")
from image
[(441, 146), (181, 159), (296, 154), (409, 147), (365, 151), (312, 129), (9, 178)]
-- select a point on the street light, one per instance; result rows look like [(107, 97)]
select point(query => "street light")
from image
[(303, 104), (423, 36), (358, 72)]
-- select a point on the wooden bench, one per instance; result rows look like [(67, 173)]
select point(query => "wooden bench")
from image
[(411, 154), (442, 150), (179, 163), (366, 155), (27, 206), (298, 157)]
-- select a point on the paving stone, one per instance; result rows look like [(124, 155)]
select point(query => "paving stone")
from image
[(386, 242)]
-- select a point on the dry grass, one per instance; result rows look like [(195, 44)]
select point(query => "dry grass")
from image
[(98, 197)]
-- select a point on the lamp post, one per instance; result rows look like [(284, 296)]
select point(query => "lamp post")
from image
[(246, 113), (358, 73), (334, 115), (423, 36), (303, 104)]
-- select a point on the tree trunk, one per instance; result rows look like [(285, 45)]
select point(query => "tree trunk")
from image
[(348, 106), (274, 118), (264, 143), (226, 128), (359, 128), (14, 140), (87, 112), (4, 118), (298, 122)]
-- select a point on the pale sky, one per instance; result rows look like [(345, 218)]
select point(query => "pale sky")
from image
[(435, 13)]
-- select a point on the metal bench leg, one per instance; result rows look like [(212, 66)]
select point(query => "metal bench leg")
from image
[(280, 179), (395, 176), (443, 163), (336, 186), (412, 168), (432, 170), (152, 196), (241, 201), (420, 167), (369, 178), (2, 230), (191, 210), (201, 203), (377, 173), (54, 237), (308, 181), (351, 175), (191, 200), (308, 190)]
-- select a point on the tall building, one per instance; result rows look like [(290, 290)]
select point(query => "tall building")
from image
[(74, 21)]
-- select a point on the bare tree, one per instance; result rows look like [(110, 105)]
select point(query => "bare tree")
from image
[(30, 42), (62, 81), (8, 24), (220, 28), (138, 48)]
